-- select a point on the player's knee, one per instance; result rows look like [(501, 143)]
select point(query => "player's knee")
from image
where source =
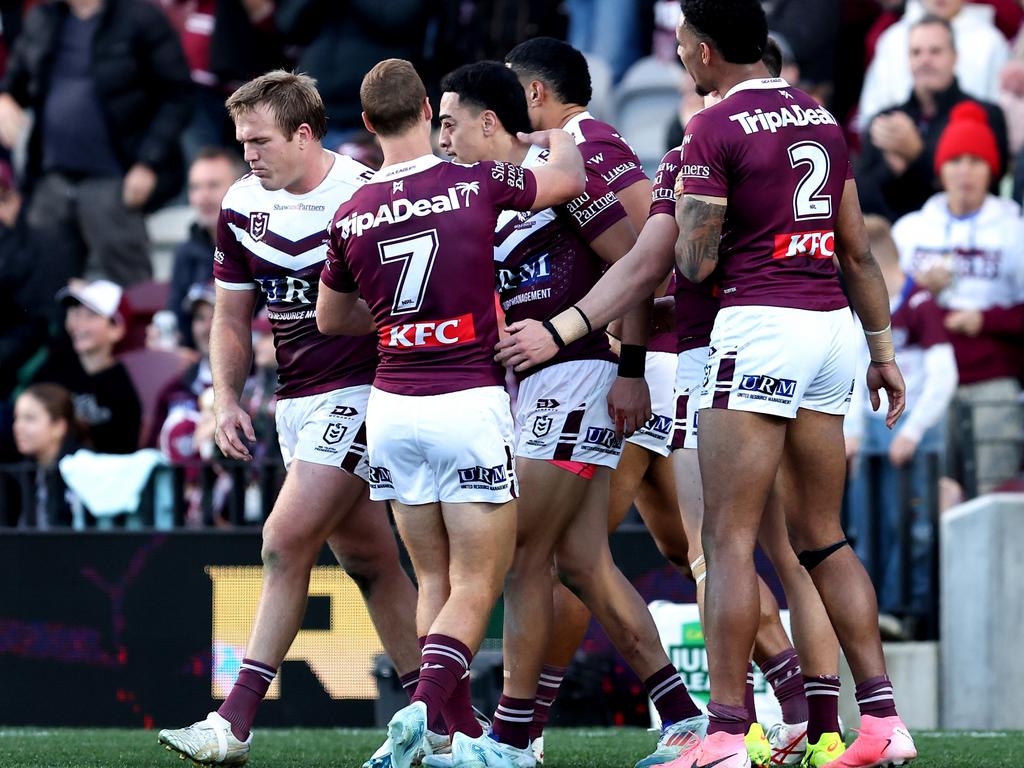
[(677, 556), (812, 558), (283, 549)]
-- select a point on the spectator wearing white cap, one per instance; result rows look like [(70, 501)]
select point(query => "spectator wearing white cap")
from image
[(105, 398)]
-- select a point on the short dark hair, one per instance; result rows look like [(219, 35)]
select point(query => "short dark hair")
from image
[(931, 18), (772, 57), (392, 96), (556, 64), (491, 85), (292, 98), (211, 152), (738, 29)]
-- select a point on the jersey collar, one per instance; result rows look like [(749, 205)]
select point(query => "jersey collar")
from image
[(421, 163), (573, 122), (758, 84)]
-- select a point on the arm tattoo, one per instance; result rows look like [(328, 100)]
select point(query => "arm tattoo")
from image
[(700, 230)]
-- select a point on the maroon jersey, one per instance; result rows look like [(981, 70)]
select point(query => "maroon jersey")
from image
[(781, 162), (605, 151), (544, 263), (696, 303), (417, 243), (277, 241)]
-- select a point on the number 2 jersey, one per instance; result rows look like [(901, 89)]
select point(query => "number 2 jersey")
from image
[(277, 242), (417, 242), (781, 161)]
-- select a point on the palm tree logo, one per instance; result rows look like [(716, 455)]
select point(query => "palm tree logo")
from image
[(467, 188)]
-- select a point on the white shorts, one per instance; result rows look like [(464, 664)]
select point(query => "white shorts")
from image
[(562, 414), (776, 360), (656, 434), (329, 428), (455, 447), (689, 380)]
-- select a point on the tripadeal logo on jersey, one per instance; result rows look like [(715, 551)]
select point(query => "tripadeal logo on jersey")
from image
[(455, 198)]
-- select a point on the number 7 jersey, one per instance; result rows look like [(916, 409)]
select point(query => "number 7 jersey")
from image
[(781, 161), (417, 242)]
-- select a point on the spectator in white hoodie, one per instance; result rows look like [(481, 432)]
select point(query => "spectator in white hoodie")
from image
[(967, 247), (887, 81), (879, 456)]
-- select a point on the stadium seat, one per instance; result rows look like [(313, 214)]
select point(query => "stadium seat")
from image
[(166, 229), (645, 102), (143, 301), (602, 105), (152, 371)]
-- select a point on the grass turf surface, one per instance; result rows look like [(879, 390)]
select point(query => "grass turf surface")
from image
[(567, 748)]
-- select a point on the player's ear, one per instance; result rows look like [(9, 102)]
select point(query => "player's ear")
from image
[(489, 122), (428, 112), (536, 93), (366, 122)]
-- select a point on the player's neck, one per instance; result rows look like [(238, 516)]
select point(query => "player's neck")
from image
[(740, 73), (509, 149), (565, 113), (318, 168), (402, 149)]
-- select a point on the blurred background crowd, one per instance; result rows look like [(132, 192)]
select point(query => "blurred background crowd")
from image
[(117, 149)]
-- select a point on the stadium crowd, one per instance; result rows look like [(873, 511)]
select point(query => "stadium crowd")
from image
[(115, 112)]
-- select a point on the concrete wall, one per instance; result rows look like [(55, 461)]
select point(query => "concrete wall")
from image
[(982, 621)]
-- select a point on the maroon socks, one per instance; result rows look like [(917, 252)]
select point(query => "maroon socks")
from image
[(444, 663), (822, 706), (668, 692), (783, 674), (727, 719), (239, 708), (512, 720), (874, 697), (547, 691)]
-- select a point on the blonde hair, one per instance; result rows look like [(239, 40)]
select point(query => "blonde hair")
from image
[(292, 98), (392, 96)]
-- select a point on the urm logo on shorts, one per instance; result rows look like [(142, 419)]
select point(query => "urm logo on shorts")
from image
[(379, 477), (477, 477), (658, 425), (768, 385), (602, 437)]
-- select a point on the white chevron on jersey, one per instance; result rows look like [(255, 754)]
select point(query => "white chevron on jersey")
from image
[(529, 222)]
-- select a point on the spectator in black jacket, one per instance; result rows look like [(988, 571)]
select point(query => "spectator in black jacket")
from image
[(212, 172), (343, 41), (111, 92), (896, 173)]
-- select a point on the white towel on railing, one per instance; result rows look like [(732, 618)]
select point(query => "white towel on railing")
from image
[(109, 484)]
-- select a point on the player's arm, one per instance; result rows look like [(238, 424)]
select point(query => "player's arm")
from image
[(342, 313), (636, 199), (563, 177), (699, 219), (870, 301), (628, 281), (230, 362)]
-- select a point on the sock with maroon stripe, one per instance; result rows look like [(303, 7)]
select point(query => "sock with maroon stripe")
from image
[(239, 708), (875, 697), (723, 718), (445, 661), (512, 720), (409, 682), (668, 692), (438, 724), (547, 691), (783, 674), (748, 698), (822, 706)]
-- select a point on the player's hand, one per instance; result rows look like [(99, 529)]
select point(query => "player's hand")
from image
[(887, 376), (528, 344), (629, 405), (231, 420), (139, 183), (539, 138), (901, 450), (969, 322), (13, 121)]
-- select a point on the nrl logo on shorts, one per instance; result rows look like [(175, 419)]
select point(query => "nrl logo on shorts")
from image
[(334, 433), (258, 224), (542, 425)]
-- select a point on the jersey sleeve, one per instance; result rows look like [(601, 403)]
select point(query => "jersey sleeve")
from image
[(663, 190), (336, 273), (613, 160), (704, 161), (230, 266), (597, 209), (511, 186)]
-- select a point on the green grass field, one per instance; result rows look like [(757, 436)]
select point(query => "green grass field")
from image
[(566, 748)]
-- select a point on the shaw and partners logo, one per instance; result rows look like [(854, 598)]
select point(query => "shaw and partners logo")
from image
[(429, 333), (455, 198), (820, 244)]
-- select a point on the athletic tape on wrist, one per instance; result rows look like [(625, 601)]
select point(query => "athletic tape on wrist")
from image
[(568, 326), (881, 345), (632, 361)]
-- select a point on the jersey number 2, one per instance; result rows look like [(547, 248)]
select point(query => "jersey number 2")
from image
[(416, 254), (808, 202)]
